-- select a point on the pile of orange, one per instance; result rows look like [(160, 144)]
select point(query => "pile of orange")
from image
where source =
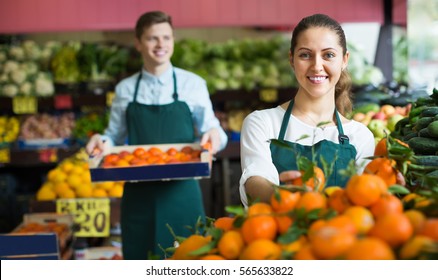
[(362, 221), (152, 155)]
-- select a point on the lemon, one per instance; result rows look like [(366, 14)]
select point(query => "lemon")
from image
[(45, 193), (69, 193), (74, 180), (116, 191), (331, 189), (97, 192), (60, 188), (84, 190)]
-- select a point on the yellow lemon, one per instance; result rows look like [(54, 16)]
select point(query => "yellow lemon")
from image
[(84, 190), (74, 180), (69, 193), (331, 189), (105, 185), (66, 166), (60, 188), (97, 192), (45, 193), (116, 191)]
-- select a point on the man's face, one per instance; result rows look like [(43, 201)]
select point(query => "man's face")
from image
[(156, 44)]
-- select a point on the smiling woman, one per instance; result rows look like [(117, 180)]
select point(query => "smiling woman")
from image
[(313, 124)]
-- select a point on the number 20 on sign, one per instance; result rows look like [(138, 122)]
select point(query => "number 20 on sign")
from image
[(91, 215)]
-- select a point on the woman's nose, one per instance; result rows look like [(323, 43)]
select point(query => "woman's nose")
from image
[(318, 64)]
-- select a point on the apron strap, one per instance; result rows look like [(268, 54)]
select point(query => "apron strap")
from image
[(136, 86), (343, 139), (285, 122), (175, 93)]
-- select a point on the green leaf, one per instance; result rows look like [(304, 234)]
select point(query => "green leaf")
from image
[(398, 189), (237, 210)]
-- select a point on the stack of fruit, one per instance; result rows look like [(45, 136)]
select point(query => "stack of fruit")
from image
[(71, 179), (372, 218)]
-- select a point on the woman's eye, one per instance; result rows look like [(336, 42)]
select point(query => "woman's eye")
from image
[(304, 55), (330, 55)]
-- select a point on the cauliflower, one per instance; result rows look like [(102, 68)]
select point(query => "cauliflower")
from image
[(44, 85), (18, 76), (10, 90), (3, 55), (10, 66), (17, 53), (31, 68), (26, 88), (31, 50)]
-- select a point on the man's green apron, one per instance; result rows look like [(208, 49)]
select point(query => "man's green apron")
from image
[(147, 207), (285, 159)]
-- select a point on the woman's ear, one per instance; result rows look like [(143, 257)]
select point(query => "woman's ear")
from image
[(345, 61)]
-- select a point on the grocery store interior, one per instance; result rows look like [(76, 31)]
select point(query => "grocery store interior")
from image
[(53, 97)]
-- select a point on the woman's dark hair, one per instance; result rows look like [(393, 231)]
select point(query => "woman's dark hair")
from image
[(150, 18), (342, 89)]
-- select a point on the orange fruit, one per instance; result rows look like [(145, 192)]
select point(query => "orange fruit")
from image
[(343, 222), (284, 200), (412, 248), (393, 228), (172, 151), (283, 222), (430, 228), (190, 244), (259, 227), (139, 152), (364, 189), (224, 223), (361, 217), (417, 200), (387, 203), (231, 245), (316, 182), (381, 148), (312, 200), (261, 249), (416, 218), (304, 253), (111, 159), (370, 248), (384, 168), (211, 257), (330, 242), (339, 201), (259, 208), (294, 246)]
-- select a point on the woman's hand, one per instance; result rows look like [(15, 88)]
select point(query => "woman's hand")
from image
[(289, 176), (95, 146)]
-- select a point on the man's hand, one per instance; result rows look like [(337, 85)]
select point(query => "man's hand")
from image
[(213, 137), (95, 146)]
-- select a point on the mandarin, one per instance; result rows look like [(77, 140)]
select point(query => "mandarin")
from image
[(364, 189), (330, 242), (262, 249), (387, 203), (370, 248), (284, 200), (393, 228), (384, 168), (230, 245)]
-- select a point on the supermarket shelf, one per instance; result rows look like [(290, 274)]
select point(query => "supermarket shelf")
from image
[(38, 157)]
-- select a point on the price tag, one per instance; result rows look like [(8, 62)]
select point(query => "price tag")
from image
[(109, 98), (5, 156), (63, 101), (268, 95), (25, 105), (48, 155), (92, 215)]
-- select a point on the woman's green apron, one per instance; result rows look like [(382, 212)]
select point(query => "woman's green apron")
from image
[(285, 159), (147, 207)]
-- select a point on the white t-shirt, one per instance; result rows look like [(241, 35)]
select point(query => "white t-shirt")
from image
[(261, 126)]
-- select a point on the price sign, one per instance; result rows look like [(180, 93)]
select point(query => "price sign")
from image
[(48, 155), (92, 215), (63, 101), (5, 156), (268, 95), (24, 105)]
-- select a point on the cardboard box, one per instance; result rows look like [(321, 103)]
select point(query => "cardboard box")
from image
[(152, 172), (39, 244)]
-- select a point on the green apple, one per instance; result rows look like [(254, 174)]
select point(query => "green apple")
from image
[(378, 128), (392, 120)]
